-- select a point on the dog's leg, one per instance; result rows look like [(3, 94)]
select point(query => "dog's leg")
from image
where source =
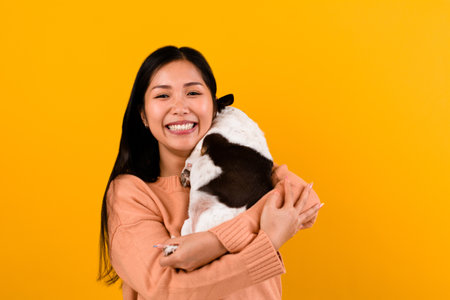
[(216, 214), (199, 208), (187, 227)]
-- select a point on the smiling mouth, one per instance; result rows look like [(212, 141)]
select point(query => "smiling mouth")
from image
[(181, 127)]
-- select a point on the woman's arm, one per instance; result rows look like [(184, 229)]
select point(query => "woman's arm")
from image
[(232, 236), (137, 263), (236, 233), (281, 218), (195, 250)]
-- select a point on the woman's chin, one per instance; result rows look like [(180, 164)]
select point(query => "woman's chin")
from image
[(185, 148)]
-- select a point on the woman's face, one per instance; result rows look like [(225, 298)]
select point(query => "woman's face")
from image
[(178, 107)]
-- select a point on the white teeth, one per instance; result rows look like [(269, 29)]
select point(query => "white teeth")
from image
[(186, 126)]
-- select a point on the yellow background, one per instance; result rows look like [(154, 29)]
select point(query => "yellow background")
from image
[(353, 95)]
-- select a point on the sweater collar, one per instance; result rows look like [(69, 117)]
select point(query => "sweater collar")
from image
[(170, 183)]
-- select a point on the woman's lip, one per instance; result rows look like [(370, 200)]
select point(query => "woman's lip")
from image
[(182, 132), (180, 122)]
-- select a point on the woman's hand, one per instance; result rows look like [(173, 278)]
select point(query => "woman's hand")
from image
[(194, 250), (281, 220)]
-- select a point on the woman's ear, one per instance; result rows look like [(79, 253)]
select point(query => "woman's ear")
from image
[(144, 119)]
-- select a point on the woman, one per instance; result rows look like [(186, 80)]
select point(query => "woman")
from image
[(172, 105)]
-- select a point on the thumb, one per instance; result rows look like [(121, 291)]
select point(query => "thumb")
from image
[(170, 259), (166, 261)]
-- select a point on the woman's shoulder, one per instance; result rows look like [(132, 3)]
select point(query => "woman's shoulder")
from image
[(130, 198), (124, 183), (126, 178), (168, 183), (128, 188), (280, 172), (131, 188)]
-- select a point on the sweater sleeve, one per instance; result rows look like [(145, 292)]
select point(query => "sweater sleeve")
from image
[(138, 225), (238, 232)]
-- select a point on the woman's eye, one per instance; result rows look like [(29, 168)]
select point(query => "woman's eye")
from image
[(194, 93), (160, 96)]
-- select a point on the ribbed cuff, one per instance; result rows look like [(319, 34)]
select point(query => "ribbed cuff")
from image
[(234, 234), (263, 261)]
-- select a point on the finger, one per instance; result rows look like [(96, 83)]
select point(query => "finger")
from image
[(168, 261), (277, 199), (274, 199), (308, 223), (305, 225), (288, 195), (309, 212), (315, 216), (173, 240), (303, 198), (311, 218)]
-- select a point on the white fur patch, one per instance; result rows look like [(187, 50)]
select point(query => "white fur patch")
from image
[(238, 128), (203, 170)]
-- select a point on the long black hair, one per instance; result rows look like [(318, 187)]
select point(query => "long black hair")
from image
[(138, 150)]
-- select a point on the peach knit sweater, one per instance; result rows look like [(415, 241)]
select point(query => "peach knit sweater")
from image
[(142, 214)]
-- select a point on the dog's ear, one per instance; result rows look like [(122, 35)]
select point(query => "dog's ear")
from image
[(224, 101)]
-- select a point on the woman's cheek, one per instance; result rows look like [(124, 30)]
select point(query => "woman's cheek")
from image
[(207, 109)]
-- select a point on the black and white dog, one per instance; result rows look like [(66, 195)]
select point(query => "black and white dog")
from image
[(228, 171)]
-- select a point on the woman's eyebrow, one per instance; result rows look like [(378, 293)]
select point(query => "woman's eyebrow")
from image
[(168, 86)]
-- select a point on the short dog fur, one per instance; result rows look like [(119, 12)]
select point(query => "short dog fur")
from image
[(228, 171)]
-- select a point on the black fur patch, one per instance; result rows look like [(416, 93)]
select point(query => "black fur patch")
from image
[(246, 174), (224, 101)]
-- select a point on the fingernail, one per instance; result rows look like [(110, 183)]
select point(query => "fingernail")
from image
[(322, 204), (310, 185)]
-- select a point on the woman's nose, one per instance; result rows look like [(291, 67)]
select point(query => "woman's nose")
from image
[(180, 106)]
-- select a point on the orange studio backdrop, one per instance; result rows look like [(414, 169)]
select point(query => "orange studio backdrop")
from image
[(352, 95)]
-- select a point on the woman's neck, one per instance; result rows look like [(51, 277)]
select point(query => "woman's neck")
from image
[(170, 163)]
